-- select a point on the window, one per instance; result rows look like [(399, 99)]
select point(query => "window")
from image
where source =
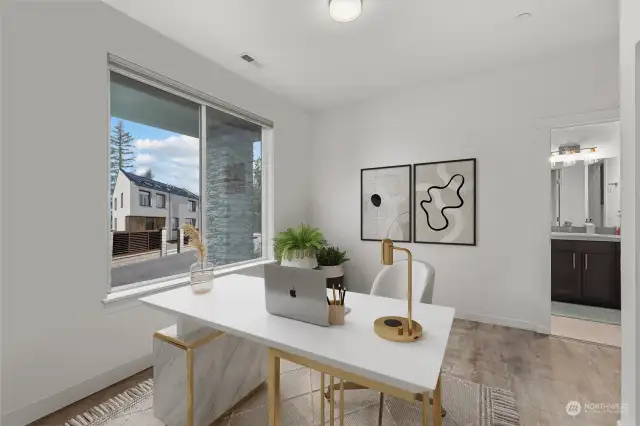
[(149, 223), (156, 141), (115, 224), (115, 204), (145, 199)]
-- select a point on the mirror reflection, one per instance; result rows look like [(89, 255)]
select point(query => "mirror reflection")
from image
[(585, 178)]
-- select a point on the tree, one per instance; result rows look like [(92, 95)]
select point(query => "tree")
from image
[(257, 195), (122, 155), (148, 174)]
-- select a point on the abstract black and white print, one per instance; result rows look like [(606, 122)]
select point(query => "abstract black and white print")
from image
[(386, 203), (445, 202)]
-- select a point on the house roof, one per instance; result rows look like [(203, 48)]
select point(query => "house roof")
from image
[(159, 186)]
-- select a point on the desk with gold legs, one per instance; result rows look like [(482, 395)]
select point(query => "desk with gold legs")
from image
[(352, 352), (276, 355)]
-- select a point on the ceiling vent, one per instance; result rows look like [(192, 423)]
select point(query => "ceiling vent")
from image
[(250, 60)]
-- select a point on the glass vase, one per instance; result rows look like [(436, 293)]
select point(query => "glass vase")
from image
[(201, 277)]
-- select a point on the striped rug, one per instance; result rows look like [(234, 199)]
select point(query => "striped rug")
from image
[(467, 404)]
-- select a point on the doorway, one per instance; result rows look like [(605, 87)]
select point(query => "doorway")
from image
[(585, 231)]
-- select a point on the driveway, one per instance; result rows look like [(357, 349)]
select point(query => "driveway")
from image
[(152, 269)]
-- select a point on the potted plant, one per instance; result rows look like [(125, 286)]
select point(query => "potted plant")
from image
[(297, 247), (330, 259)]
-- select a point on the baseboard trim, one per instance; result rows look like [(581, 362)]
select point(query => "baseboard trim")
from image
[(506, 322), (53, 403)]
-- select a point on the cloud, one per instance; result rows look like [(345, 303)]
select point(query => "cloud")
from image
[(174, 160)]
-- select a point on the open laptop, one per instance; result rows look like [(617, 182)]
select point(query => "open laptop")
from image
[(296, 293)]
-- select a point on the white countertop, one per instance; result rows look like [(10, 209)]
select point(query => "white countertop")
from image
[(237, 305), (584, 236)]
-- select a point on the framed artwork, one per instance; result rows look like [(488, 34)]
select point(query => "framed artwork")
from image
[(445, 202), (385, 203)]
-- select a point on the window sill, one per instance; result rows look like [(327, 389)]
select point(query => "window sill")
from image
[(132, 294)]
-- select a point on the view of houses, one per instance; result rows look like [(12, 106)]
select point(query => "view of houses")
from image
[(144, 204)]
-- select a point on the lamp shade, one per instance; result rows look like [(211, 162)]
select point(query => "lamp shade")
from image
[(345, 10)]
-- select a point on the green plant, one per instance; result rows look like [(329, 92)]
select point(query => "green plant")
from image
[(300, 242), (331, 256)]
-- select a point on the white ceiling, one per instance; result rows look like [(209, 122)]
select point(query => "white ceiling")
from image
[(319, 63)]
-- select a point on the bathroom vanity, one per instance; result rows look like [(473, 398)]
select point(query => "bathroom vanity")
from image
[(585, 269)]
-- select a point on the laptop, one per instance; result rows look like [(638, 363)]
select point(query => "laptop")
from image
[(297, 293)]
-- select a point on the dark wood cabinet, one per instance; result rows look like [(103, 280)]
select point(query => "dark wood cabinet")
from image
[(586, 272)]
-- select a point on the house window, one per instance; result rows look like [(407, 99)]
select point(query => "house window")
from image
[(149, 223), (145, 199), (115, 204), (156, 140)]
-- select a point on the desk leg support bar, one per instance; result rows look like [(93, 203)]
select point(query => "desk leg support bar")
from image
[(274, 389)]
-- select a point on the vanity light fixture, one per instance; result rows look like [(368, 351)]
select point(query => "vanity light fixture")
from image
[(345, 10), (398, 329)]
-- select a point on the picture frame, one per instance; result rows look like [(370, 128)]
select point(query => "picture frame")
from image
[(385, 203), (452, 184)]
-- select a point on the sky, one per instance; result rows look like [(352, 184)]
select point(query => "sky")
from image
[(172, 158)]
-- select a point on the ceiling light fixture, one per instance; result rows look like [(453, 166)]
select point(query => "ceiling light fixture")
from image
[(345, 10)]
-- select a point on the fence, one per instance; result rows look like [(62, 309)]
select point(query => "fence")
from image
[(126, 243)]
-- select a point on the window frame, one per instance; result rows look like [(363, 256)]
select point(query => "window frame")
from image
[(193, 203), (204, 100), (140, 193), (164, 200)]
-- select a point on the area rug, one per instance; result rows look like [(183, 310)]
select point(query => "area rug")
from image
[(467, 404)]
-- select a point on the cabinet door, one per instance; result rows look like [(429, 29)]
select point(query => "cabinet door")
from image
[(566, 285), (599, 277)]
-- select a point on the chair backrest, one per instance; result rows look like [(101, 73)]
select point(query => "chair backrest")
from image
[(392, 281)]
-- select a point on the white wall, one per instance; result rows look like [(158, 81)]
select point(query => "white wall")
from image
[(573, 194), (123, 186), (59, 342), (492, 117), (612, 193), (630, 158)]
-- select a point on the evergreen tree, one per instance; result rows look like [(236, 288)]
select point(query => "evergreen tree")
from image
[(122, 155), (257, 195), (148, 174)]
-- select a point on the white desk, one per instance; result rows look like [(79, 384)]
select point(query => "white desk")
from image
[(351, 352)]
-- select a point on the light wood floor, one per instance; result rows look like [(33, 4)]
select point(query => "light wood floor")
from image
[(544, 372)]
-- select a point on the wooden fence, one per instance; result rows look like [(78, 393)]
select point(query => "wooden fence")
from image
[(127, 243)]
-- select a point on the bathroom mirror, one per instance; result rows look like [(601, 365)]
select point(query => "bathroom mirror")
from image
[(585, 176)]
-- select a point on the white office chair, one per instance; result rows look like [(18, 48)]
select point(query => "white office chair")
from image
[(392, 282)]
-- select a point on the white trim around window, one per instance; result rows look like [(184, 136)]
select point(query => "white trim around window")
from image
[(135, 72)]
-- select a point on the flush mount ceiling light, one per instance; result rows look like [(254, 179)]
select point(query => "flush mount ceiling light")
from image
[(345, 10)]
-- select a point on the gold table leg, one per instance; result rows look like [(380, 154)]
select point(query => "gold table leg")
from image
[(425, 409), (341, 402), (321, 398), (332, 403), (437, 405), (274, 389)]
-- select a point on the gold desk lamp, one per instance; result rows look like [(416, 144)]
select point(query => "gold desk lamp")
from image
[(398, 329)]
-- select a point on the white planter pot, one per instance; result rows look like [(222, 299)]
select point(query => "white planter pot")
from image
[(333, 271), (305, 262)]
